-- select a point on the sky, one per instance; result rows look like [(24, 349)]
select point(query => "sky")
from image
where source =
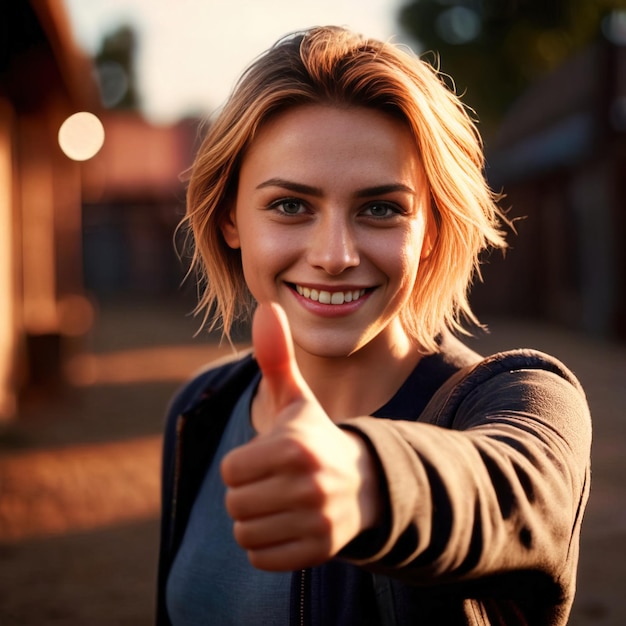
[(190, 52)]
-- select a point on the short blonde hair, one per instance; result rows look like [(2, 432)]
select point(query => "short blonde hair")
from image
[(331, 65)]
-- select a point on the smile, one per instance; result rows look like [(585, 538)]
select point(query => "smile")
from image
[(330, 297)]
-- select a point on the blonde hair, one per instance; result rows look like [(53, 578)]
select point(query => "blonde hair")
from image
[(331, 65)]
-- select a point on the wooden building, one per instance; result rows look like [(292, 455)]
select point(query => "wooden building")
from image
[(561, 160), (44, 78)]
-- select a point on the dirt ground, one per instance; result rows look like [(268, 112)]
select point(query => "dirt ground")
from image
[(79, 472)]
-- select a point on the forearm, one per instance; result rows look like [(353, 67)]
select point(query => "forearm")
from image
[(502, 492)]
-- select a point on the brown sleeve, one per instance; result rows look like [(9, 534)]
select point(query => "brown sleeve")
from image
[(503, 489)]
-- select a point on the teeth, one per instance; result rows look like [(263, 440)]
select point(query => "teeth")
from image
[(328, 297)]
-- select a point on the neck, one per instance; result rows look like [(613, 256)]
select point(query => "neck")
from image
[(362, 382)]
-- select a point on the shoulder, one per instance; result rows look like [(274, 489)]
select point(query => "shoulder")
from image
[(224, 378), (210, 379), (526, 382), (471, 368), (544, 367)]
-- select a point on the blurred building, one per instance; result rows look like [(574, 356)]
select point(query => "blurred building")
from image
[(43, 79), (133, 195), (73, 234), (561, 160)]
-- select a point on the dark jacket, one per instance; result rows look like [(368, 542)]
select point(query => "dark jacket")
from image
[(486, 488)]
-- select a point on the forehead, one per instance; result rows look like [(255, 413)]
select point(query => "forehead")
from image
[(331, 119), (334, 139)]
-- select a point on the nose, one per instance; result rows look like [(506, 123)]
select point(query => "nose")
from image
[(333, 246)]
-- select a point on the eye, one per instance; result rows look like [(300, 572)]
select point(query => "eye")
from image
[(288, 206), (381, 210)]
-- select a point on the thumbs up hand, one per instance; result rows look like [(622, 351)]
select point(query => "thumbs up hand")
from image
[(304, 488), (273, 349)]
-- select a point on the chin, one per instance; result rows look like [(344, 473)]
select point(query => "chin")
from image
[(331, 347)]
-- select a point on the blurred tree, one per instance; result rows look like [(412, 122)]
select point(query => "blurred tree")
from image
[(115, 63), (494, 49)]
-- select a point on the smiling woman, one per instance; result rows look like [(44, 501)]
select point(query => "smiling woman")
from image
[(362, 466), (311, 240)]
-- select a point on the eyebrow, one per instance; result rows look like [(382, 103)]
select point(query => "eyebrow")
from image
[(367, 192)]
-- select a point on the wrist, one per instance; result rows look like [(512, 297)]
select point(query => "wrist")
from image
[(370, 500)]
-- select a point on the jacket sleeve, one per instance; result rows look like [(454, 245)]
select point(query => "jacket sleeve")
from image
[(500, 488)]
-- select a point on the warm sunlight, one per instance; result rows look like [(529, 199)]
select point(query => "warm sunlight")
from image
[(7, 275), (57, 491), (142, 365)]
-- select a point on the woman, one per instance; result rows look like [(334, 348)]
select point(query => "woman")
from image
[(362, 466)]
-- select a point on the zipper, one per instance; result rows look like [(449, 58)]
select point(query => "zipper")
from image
[(303, 583)]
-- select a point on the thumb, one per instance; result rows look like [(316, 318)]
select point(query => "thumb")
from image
[(274, 353)]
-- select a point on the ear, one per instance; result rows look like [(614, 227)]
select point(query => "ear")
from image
[(229, 229), (430, 234)]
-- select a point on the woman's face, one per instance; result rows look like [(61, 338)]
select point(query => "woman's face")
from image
[(331, 217)]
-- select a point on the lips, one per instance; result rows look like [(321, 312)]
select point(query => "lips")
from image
[(330, 297)]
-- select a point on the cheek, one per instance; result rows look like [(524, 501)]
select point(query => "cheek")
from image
[(264, 255), (262, 249), (403, 257)]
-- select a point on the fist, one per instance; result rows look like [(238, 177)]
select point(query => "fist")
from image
[(304, 488)]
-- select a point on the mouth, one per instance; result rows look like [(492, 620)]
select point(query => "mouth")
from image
[(330, 297)]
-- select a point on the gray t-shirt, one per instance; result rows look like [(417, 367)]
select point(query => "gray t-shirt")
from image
[(211, 580)]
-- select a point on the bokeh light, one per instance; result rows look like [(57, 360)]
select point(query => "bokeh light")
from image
[(614, 27), (81, 136), (458, 25)]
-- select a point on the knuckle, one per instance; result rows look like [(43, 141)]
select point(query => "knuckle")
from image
[(313, 495), (229, 469), (322, 526), (234, 504), (298, 455), (257, 560), (242, 536)]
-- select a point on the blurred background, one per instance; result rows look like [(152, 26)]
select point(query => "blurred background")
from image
[(96, 330)]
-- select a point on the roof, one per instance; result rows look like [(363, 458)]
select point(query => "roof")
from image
[(39, 57), (561, 119)]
